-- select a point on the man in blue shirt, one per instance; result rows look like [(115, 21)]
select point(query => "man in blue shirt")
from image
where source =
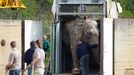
[(83, 53), (28, 56)]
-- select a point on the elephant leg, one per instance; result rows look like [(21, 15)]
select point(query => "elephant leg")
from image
[(96, 55), (76, 69)]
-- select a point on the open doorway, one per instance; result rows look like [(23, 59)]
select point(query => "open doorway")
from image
[(66, 57)]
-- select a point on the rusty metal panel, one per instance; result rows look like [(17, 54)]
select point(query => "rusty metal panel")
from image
[(124, 46)]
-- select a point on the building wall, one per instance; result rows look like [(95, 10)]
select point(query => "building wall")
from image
[(124, 47), (12, 30), (9, 30)]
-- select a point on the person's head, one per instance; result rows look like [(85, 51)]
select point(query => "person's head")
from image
[(38, 43), (32, 44), (45, 37), (13, 44)]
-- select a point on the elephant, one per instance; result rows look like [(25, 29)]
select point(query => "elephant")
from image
[(81, 29)]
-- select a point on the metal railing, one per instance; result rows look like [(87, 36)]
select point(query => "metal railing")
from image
[(81, 8)]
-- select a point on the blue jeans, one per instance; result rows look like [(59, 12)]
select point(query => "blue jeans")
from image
[(84, 64), (30, 71), (14, 72)]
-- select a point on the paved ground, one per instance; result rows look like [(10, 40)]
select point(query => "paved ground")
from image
[(71, 74)]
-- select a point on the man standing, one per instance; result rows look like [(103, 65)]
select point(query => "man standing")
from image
[(28, 56), (46, 48), (83, 53), (38, 60), (45, 44), (14, 60)]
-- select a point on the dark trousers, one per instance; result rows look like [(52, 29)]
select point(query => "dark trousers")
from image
[(84, 64)]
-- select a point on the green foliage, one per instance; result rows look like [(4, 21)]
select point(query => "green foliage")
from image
[(30, 11), (128, 7), (36, 10), (126, 14), (41, 10)]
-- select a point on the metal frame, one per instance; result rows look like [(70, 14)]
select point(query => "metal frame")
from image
[(81, 4), (76, 8)]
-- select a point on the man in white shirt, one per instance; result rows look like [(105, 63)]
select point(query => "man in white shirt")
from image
[(14, 60), (38, 60)]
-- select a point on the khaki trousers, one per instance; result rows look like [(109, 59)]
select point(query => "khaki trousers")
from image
[(39, 71)]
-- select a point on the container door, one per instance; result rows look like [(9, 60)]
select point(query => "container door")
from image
[(33, 30), (108, 46), (58, 49)]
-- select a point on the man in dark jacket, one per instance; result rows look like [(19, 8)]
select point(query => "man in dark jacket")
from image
[(46, 49), (83, 53), (45, 44), (28, 56)]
